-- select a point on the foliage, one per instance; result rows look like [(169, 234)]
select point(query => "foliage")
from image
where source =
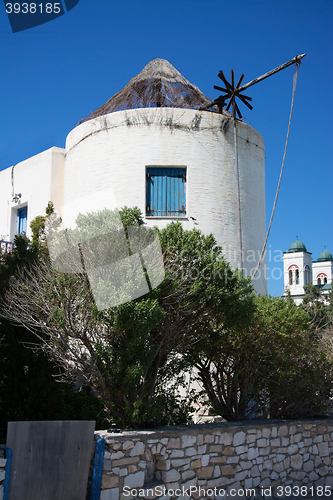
[(131, 353), (319, 307), (273, 364), (28, 379)]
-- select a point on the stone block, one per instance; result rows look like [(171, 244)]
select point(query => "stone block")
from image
[(217, 471), (241, 475), (251, 438), (308, 466), (227, 470), (170, 476), (248, 483), (177, 454), (196, 464), (118, 454), (293, 448), (138, 449), (191, 451), (268, 465), (266, 432), (178, 462), (296, 462), (109, 482), (323, 471), (217, 482), (229, 450), (241, 449), (205, 472), (226, 438), (255, 471), (217, 460), (106, 464), (174, 443), (283, 431), (261, 443), (112, 494), (264, 451), (188, 474), (190, 483), (125, 461), (275, 442), (246, 465), (209, 438), (329, 481), (313, 476), (239, 438), (215, 448), (128, 445), (3, 462), (188, 440), (205, 460), (323, 449), (200, 439), (253, 453), (278, 467)]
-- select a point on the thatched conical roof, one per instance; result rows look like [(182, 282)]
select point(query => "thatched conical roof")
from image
[(158, 85)]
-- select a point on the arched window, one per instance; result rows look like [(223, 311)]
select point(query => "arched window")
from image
[(318, 281), (290, 277), (297, 276), (307, 278), (325, 280)]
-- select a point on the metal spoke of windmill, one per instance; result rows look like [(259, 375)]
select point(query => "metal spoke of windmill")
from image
[(230, 92)]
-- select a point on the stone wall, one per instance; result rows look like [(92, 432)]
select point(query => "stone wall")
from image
[(242, 456), (3, 461)]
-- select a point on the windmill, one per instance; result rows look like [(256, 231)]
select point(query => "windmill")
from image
[(230, 92)]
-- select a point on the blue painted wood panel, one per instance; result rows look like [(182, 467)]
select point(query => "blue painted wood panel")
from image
[(22, 215), (166, 192)]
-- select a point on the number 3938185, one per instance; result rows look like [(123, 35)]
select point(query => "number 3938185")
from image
[(33, 8)]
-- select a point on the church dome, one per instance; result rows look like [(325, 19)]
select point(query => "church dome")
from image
[(297, 246), (158, 85), (325, 255)]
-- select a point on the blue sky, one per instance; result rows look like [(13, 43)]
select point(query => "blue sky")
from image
[(55, 74)]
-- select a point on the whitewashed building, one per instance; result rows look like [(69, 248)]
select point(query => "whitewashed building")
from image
[(155, 145), (300, 270)]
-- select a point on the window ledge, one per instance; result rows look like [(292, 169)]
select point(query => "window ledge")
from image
[(184, 217)]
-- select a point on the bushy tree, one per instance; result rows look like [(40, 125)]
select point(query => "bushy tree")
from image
[(274, 364), (131, 354), (28, 378)]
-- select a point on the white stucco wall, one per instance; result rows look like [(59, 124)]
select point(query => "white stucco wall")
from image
[(38, 179), (299, 259), (106, 161), (325, 267)]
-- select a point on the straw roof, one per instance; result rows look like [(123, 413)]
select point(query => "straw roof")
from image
[(158, 85)]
